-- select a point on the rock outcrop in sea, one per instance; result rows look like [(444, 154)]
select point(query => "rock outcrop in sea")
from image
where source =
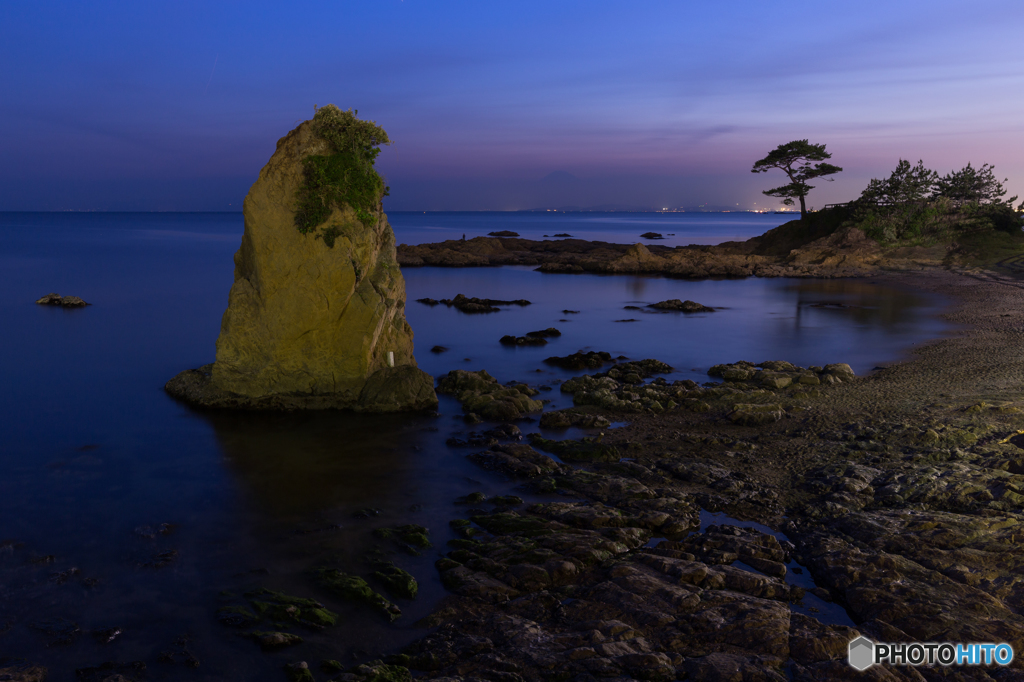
[(316, 314), (62, 301)]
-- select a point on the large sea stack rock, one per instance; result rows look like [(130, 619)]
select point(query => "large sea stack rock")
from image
[(317, 310)]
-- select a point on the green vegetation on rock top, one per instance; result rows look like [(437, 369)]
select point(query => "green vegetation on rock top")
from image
[(346, 176)]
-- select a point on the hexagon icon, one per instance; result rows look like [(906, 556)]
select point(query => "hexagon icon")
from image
[(862, 653)]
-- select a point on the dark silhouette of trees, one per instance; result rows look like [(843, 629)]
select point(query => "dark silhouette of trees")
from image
[(800, 161), (906, 185), (972, 185)]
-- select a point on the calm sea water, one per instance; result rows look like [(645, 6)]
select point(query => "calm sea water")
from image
[(619, 228), (94, 455)]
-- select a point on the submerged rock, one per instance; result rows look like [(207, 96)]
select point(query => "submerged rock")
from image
[(315, 317)]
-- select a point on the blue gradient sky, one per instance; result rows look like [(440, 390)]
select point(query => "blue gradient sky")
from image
[(501, 105)]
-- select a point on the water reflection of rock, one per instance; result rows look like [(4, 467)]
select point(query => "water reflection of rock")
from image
[(301, 462), (865, 303)]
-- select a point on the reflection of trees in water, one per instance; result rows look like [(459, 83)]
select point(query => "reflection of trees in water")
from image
[(292, 462), (859, 301)]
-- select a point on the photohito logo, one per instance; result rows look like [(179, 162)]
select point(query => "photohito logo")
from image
[(863, 653)]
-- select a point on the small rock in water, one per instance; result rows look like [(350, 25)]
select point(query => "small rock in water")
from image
[(651, 235), (549, 332), (162, 559), (62, 577), (467, 304), (428, 301), (503, 233), (179, 654), (298, 672), (570, 312), (275, 640), (682, 306), (580, 360), (510, 340), (562, 234), (353, 588), (439, 349), (472, 498), (63, 301), (629, 320), (107, 636), (505, 432)]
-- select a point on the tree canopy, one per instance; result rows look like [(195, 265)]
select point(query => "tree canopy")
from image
[(915, 202), (969, 184), (800, 161), (905, 185)]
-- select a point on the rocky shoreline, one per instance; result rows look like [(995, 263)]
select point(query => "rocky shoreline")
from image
[(791, 250), (900, 494)]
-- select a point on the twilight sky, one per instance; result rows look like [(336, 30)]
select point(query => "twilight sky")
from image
[(501, 105)]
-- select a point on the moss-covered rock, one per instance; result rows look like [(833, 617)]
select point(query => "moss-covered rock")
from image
[(398, 582), (282, 608), (410, 537), (298, 672), (237, 616), (355, 589), (274, 639), (312, 322), (482, 395)]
